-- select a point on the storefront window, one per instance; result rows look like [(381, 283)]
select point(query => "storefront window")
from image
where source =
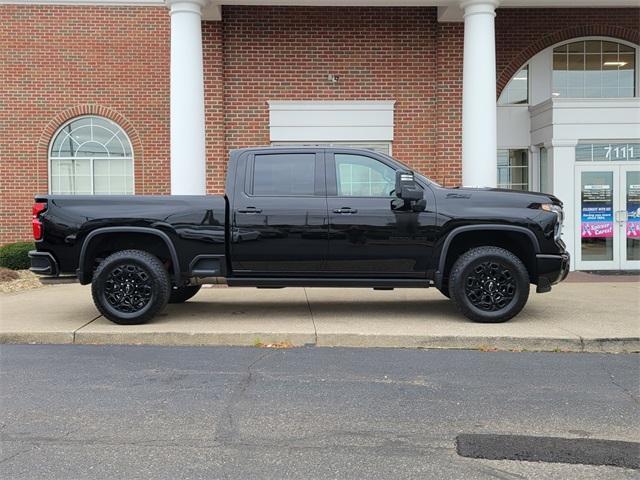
[(517, 90), (594, 69), (513, 169)]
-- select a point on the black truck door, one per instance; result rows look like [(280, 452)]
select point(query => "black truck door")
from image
[(279, 214), (366, 236)]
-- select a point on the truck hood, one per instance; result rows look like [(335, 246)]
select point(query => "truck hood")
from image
[(502, 196)]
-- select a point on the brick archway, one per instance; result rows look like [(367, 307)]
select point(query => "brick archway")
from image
[(89, 109), (525, 55)]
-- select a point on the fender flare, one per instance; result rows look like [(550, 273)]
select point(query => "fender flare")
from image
[(466, 228), (146, 230)]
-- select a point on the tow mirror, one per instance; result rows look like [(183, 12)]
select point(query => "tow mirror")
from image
[(406, 187)]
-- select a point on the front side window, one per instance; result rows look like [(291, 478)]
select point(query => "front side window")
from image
[(513, 169), (361, 176), (517, 90), (594, 69), (91, 155), (285, 174)]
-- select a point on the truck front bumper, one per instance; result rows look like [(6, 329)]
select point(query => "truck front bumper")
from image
[(43, 263), (551, 269)]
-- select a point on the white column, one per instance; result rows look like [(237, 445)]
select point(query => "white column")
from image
[(188, 161), (479, 133)]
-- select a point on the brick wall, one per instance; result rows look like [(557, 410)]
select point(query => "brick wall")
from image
[(57, 62), (286, 53)]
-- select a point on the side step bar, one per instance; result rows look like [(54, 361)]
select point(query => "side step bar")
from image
[(378, 283)]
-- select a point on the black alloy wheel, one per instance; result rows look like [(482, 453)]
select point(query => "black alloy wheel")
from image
[(489, 284), (130, 287)]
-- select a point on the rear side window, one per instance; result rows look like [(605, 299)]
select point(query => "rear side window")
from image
[(286, 174)]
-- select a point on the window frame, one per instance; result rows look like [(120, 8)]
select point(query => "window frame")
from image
[(505, 93), (636, 76), (528, 185), (332, 179), (50, 156), (318, 175)]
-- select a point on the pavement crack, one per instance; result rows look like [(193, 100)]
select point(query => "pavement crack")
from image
[(313, 322), (82, 326), (227, 429), (612, 380)]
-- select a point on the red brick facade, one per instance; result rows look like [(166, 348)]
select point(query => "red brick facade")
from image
[(57, 62)]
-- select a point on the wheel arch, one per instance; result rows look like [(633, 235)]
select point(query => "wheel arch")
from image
[(464, 238), (87, 251)]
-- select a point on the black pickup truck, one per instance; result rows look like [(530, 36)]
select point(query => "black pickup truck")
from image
[(315, 217)]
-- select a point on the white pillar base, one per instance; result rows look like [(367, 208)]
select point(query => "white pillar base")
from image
[(188, 158), (479, 131)]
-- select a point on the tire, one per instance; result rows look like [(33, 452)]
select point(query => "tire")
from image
[(489, 285), (130, 287), (182, 294)]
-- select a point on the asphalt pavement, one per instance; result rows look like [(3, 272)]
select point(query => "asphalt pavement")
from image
[(76, 412)]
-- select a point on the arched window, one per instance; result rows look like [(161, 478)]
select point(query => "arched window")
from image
[(594, 69), (91, 155), (517, 90)]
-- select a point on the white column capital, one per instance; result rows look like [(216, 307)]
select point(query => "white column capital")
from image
[(475, 7), (186, 6)]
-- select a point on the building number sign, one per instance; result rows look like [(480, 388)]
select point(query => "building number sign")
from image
[(607, 152)]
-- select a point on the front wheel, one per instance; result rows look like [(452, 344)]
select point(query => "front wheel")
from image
[(130, 287), (489, 285)]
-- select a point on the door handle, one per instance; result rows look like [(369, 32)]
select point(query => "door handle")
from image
[(345, 210), (250, 210), (621, 216)]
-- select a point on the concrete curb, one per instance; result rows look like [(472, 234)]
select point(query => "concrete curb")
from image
[(536, 344)]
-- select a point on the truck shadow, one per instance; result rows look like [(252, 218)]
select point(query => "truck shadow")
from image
[(332, 310)]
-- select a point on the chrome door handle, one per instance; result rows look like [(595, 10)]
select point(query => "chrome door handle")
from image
[(250, 210), (345, 210)]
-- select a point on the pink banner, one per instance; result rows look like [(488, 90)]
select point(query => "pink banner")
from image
[(597, 229), (633, 229)]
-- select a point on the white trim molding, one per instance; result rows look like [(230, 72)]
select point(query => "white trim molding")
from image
[(331, 121)]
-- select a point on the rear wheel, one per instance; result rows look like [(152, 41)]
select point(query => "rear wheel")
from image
[(182, 294), (489, 285), (130, 287)]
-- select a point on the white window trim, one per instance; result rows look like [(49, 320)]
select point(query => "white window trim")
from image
[(338, 144), (57, 132), (320, 121)]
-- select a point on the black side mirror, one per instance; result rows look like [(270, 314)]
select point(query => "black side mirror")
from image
[(406, 187)]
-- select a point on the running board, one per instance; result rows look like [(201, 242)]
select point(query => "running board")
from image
[(377, 283)]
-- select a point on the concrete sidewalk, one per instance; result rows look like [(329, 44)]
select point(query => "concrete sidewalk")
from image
[(590, 316)]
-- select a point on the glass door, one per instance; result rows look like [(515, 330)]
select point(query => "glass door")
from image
[(597, 244), (608, 206), (628, 217)]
